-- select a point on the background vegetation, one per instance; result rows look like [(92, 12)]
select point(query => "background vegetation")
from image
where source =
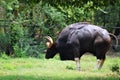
[(23, 24)]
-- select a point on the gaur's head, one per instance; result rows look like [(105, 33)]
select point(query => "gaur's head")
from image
[(51, 48)]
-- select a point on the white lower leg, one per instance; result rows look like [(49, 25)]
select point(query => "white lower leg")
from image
[(99, 64), (77, 63)]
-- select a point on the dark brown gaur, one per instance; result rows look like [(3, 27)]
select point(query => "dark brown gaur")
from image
[(77, 39)]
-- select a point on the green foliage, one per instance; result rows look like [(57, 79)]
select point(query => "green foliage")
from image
[(80, 3), (77, 14), (30, 20), (116, 68), (4, 56), (109, 16), (12, 4), (70, 68), (4, 42), (23, 45), (20, 52), (16, 33), (48, 18), (57, 18)]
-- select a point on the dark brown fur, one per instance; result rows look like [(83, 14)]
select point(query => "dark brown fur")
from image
[(79, 38)]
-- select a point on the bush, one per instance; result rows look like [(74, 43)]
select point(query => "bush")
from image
[(4, 43), (48, 18), (115, 68), (4, 56), (109, 16)]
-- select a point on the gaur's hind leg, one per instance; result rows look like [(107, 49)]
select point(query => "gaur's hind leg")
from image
[(101, 56), (99, 64), (101, 47)]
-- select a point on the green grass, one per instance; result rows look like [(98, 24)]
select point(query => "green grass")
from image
[(54, 69)]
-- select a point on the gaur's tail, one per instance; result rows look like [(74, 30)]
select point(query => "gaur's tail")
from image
[(116, 40)]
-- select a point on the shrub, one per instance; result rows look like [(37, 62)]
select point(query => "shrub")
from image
[(4, 43), (48, 18), (115, 68)]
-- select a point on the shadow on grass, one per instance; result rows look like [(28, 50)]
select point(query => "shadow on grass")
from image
[(17, 77)]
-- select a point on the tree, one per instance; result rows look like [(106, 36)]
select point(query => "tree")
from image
[(30, 20)]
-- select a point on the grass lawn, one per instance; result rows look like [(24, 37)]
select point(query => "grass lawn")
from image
[(54, 69)]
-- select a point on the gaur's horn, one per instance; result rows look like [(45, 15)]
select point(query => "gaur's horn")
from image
[(49, 43)]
